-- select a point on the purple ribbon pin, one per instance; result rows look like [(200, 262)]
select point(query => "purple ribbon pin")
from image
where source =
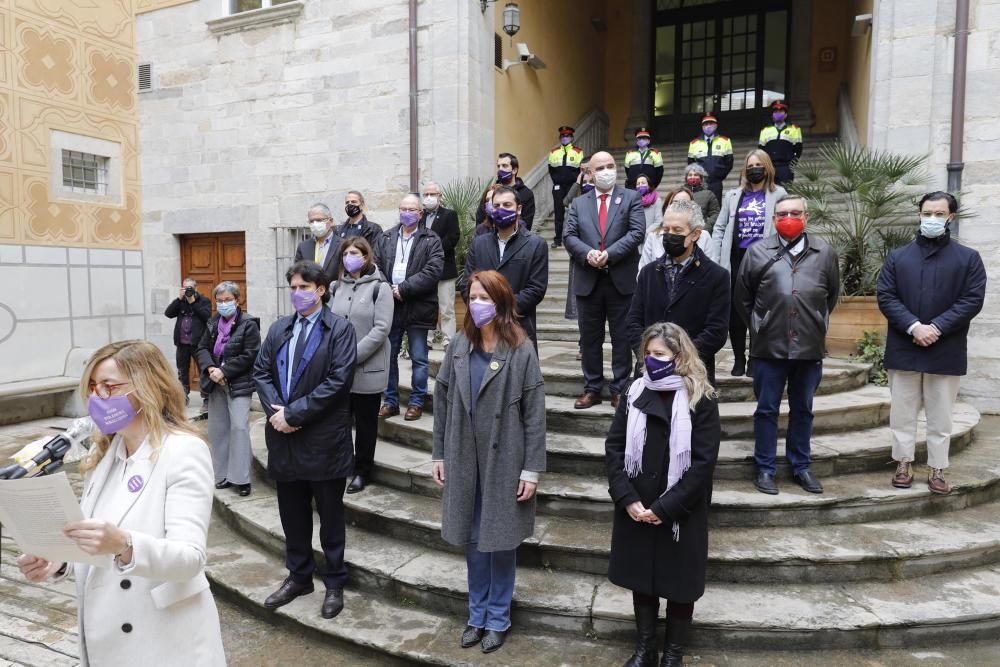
[(135, 483)]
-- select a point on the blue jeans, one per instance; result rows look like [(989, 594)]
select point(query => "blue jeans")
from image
[(491, 580), (418, 357), (769, 378)]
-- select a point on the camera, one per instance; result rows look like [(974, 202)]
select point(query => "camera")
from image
[(189, 292)]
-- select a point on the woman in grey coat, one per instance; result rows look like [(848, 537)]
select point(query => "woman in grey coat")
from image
[(489, 446), (364, 298)]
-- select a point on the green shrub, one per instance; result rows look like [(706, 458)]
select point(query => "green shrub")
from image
[(871, 349)]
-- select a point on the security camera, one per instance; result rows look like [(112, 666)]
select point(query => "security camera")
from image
[(524, 52), (525, 57)]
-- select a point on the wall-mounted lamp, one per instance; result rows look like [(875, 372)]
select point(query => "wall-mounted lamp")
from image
[(511, 16)]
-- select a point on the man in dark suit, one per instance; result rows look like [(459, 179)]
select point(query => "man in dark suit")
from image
[(684, 287), (443, 222), (324, 246), (604, 231), (519, 254), (303, 376)]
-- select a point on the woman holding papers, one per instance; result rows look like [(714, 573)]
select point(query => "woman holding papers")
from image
[(147, 500)]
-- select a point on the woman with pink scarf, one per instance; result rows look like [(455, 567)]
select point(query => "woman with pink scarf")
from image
[(660, 454), (650, 201)]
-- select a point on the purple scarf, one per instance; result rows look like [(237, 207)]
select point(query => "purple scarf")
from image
[(225, 328), (680, 432), (649, 198)]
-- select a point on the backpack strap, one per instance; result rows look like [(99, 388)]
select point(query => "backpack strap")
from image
[(755, 284)]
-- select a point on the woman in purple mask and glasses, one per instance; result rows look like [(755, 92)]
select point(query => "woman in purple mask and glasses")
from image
[(489, 448), (364, 298), (660, 454), (147, 499)]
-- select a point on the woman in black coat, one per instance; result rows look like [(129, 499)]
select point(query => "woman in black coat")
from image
[(660, 459), (226, 354)]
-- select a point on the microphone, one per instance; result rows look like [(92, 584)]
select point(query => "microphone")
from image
[(49, 457)]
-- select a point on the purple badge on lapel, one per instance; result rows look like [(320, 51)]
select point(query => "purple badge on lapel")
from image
[(135, 483), (618, 200)]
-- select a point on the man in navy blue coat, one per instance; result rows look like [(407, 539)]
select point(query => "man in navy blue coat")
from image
[(929, 290)]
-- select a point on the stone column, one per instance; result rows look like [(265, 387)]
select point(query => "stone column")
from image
[(642, 59)]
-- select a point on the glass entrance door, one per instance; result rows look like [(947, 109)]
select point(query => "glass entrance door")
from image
[(728, 58)]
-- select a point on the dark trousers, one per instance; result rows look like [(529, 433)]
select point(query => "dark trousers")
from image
[(769, 378), (364, 409), (185, 353), (295, 508), (604, 304), (737, 327), (715, 187), (681, 610), (782, 174), (559, 210)]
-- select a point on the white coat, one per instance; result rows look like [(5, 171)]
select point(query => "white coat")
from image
[(158, 609)]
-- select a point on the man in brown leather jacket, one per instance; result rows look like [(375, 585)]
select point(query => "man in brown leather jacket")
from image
[(786, 289)]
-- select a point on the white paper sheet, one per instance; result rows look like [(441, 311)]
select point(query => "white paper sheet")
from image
[(35, 509)]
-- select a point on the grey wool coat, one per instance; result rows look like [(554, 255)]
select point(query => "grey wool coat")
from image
[(506, 437), (368, 305)]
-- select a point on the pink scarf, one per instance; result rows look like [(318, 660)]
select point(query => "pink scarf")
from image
[(680, 432), (225, 328), (649, 198)]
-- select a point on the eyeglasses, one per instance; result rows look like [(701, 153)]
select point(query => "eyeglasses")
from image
[(312, 220), (408, 210), (789, 214), (104, 389)]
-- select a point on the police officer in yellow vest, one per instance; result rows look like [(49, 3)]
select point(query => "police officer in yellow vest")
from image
[(782, 141), (643, 161), (564, 166), (714, 152)]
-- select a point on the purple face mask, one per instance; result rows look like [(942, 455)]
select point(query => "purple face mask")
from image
[(489, 209), (642, 188), (504, 217), (353, 263), (642, 143), (409, 218), (657, 369), (778, 116), (565, 141), (111, 414), (504, 175), (482, 313), (586, 187), (709, 129), (303, 300)]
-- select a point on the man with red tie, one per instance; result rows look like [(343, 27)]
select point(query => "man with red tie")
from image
[(604, 230)]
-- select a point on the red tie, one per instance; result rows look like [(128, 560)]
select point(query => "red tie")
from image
[(603, 218)]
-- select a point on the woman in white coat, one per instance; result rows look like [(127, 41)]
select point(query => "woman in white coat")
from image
[(147, 500)]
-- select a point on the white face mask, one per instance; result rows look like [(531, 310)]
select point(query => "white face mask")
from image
[(429, 202), (606, 178), (318, 228), (932, 227)]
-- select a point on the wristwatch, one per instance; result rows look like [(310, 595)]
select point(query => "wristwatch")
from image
[(128, 545)]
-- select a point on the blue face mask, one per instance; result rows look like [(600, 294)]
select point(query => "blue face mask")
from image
[(565, 141), (226, 308), (657, 369), (642, 143), (931, 227)]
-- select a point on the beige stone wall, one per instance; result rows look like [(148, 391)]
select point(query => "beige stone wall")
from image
[(66, 66), (143, 6), (859, 72)]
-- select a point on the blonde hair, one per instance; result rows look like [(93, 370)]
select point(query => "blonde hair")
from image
[(687, 364), (154, 388), (765, 160)]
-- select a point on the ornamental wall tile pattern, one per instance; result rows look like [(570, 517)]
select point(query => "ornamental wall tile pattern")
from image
[(67, 65)]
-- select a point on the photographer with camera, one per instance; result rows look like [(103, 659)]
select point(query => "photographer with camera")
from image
[(192, 311)]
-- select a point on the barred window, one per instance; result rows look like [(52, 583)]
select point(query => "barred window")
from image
[(497, 51), (237, 6), (85, 172)]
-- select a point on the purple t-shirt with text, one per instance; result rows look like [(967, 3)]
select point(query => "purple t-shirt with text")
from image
[(750, 216)]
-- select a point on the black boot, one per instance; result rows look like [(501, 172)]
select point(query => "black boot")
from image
[(674, 640), (645, 636)]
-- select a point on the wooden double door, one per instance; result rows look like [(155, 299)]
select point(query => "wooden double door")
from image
[(211, 259)]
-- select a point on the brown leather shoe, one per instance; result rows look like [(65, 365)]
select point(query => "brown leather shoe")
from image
[(936, 483), (413, 413), (588, 400), (388, 411), (615, 400), (903, 479)]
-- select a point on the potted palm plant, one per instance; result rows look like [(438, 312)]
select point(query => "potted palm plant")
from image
[(462, 196), (864, 203)]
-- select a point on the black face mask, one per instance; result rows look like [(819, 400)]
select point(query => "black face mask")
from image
[(673, 244), (352, 210), (755, 174)]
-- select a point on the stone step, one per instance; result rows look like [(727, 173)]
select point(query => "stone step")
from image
[(387, 622), (869, 450), (849, 498), (860, 408), (563, 378), (960, 605)]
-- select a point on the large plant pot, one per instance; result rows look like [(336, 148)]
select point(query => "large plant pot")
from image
[(853, 316)]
